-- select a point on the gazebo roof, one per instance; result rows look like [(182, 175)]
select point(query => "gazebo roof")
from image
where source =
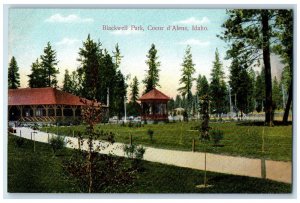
[(43, 96), (154, 94)]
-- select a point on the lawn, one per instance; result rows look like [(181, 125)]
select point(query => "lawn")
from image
[(240, 139), (41, 171)]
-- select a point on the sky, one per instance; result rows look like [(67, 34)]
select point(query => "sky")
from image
[(66, 29)]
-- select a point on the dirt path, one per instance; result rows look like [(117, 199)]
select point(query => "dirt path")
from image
[(274, 170)]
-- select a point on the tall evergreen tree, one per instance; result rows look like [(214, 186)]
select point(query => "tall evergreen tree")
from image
[(37, 76), (13, 74), (117, 56), (67, 83), (134, 90), (48, 64), (188, 69), (89, 56), (218, 90), (152, 77), (202, 86), (249, 32), (259, 91)]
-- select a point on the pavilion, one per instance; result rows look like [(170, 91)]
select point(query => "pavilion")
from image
[(154, 106), (43, 105)]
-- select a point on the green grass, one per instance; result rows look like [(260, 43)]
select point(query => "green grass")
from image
[(40, 171), (239, 139)]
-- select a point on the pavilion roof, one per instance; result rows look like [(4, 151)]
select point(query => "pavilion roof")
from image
[(154, 94), (43, 96)]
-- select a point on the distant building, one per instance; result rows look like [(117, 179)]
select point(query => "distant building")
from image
[(43, 105), (154, 106)]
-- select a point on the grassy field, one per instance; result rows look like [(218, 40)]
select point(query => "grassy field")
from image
[(240, 139), (40, 171)]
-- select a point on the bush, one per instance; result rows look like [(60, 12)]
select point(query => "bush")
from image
[(217, 136), (57, 143), (136, 153), (150, 133)]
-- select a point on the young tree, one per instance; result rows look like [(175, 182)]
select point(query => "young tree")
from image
[(188, 69), (36, 78), (13, 74), (218, 90), (48, 64), (152, 77)]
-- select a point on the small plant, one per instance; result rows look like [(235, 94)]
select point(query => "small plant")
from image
[(130, 124), (57, 143), (150, 133), (217, 136), (136, 153)]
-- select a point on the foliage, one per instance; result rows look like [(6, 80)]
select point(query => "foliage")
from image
[(188, 69), (204, 111), (13, 74), (216, 135), (136, 154), (152, 77), (48, 65), (134, 90), (150, 134), (277, 94), (57, 143), (259, 93), (36, 78), (217, 87)]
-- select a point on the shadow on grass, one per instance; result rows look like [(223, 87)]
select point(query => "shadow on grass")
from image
[(262, 123)]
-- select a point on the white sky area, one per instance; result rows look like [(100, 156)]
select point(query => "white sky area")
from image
[(66, 29)]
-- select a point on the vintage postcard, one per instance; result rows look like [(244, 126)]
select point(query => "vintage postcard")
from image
[(150, 100)]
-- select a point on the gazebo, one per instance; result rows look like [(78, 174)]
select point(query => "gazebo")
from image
[(43, 105), (154, 106)]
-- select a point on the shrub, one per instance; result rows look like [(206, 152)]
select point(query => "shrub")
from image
[(57, 143), (217, 136), (136, 153), (150, 133)]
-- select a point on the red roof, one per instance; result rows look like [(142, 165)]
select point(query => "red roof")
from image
[(154, 94), (42, 96)]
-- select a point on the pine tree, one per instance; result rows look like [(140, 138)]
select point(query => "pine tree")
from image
[(259, 93), (37, 76), (134, 90), (67, 83), (188, 69), (117, 56), (202, 86), (152, 77), (218, 91), (89, 56), (48, 64), (13, 74)]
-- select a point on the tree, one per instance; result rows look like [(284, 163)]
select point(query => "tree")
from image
[(134, 90), (36, 78), (284, 24), (249, 32), (48, 64), (152, 77), (117, 56), (202, 87), (277, 97), (218, 87), (89, 57), (13, 74), (259, 93), (67, 83), (242, 86), (187, 77)]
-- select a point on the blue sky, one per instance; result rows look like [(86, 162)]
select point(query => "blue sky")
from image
[(66, 29)]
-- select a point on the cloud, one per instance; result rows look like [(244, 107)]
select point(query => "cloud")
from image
[(193, 21), (126, 32), (67, 42), (58, 18), (195, 42)]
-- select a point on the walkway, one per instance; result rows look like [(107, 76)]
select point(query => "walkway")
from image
[(273, 170)]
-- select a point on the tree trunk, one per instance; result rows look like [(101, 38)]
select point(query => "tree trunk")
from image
[(288, 104), (267, 64)]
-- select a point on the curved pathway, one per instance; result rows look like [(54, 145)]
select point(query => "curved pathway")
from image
[(273, 170)]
